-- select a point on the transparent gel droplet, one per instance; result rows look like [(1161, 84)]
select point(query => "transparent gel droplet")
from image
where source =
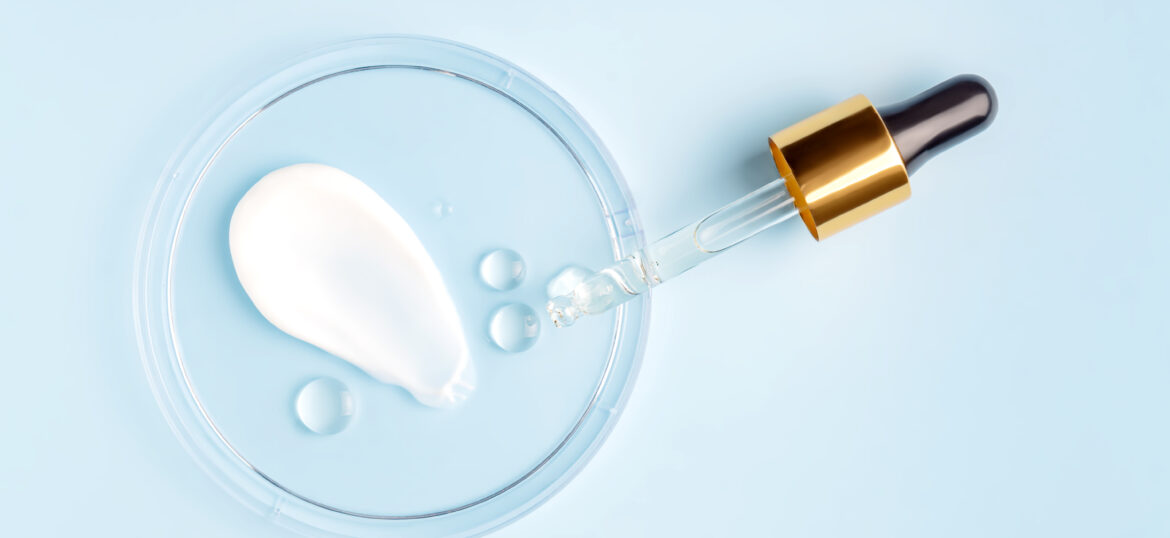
[(563, 282), (442, 209), (502, 269), (514, 327), (325, 406)]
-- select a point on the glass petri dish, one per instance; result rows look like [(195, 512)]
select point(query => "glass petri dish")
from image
[(476, 155)]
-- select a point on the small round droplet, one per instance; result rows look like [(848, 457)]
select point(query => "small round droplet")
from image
[(514, 327), (563, 282), (325, 406), (502, 269), (442, 209)]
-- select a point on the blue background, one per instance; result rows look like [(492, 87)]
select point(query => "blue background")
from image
[(988, 359)]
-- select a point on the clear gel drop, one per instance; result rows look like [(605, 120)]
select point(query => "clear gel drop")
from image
[(442, 209), (325, 406), (502, 269), (514, 327)]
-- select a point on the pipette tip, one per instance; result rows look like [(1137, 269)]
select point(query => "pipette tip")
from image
[(562, 311)]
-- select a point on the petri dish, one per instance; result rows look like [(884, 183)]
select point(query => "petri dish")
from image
[(477, 156)]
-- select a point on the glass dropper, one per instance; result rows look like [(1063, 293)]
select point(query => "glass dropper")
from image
[(674, 254), (838, 167)]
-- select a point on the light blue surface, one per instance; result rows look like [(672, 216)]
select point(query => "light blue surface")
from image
[(989, 359)]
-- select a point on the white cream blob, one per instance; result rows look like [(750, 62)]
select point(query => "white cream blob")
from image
[(328, 261)]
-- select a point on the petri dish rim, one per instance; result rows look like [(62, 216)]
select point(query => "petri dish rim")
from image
[(162, 226)]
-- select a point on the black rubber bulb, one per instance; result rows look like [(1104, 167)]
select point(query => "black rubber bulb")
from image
[(936, 119)]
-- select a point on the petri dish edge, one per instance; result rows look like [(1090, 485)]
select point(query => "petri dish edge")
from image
[(157, 337)]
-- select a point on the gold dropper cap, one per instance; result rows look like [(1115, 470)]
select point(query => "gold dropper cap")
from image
[(850, 161)]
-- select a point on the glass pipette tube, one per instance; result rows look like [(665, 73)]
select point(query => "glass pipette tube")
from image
[(674, 254), (846, 163)]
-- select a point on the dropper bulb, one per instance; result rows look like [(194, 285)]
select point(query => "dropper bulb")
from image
[(936, 119)]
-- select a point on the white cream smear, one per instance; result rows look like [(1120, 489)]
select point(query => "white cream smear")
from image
[(328, 261)]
